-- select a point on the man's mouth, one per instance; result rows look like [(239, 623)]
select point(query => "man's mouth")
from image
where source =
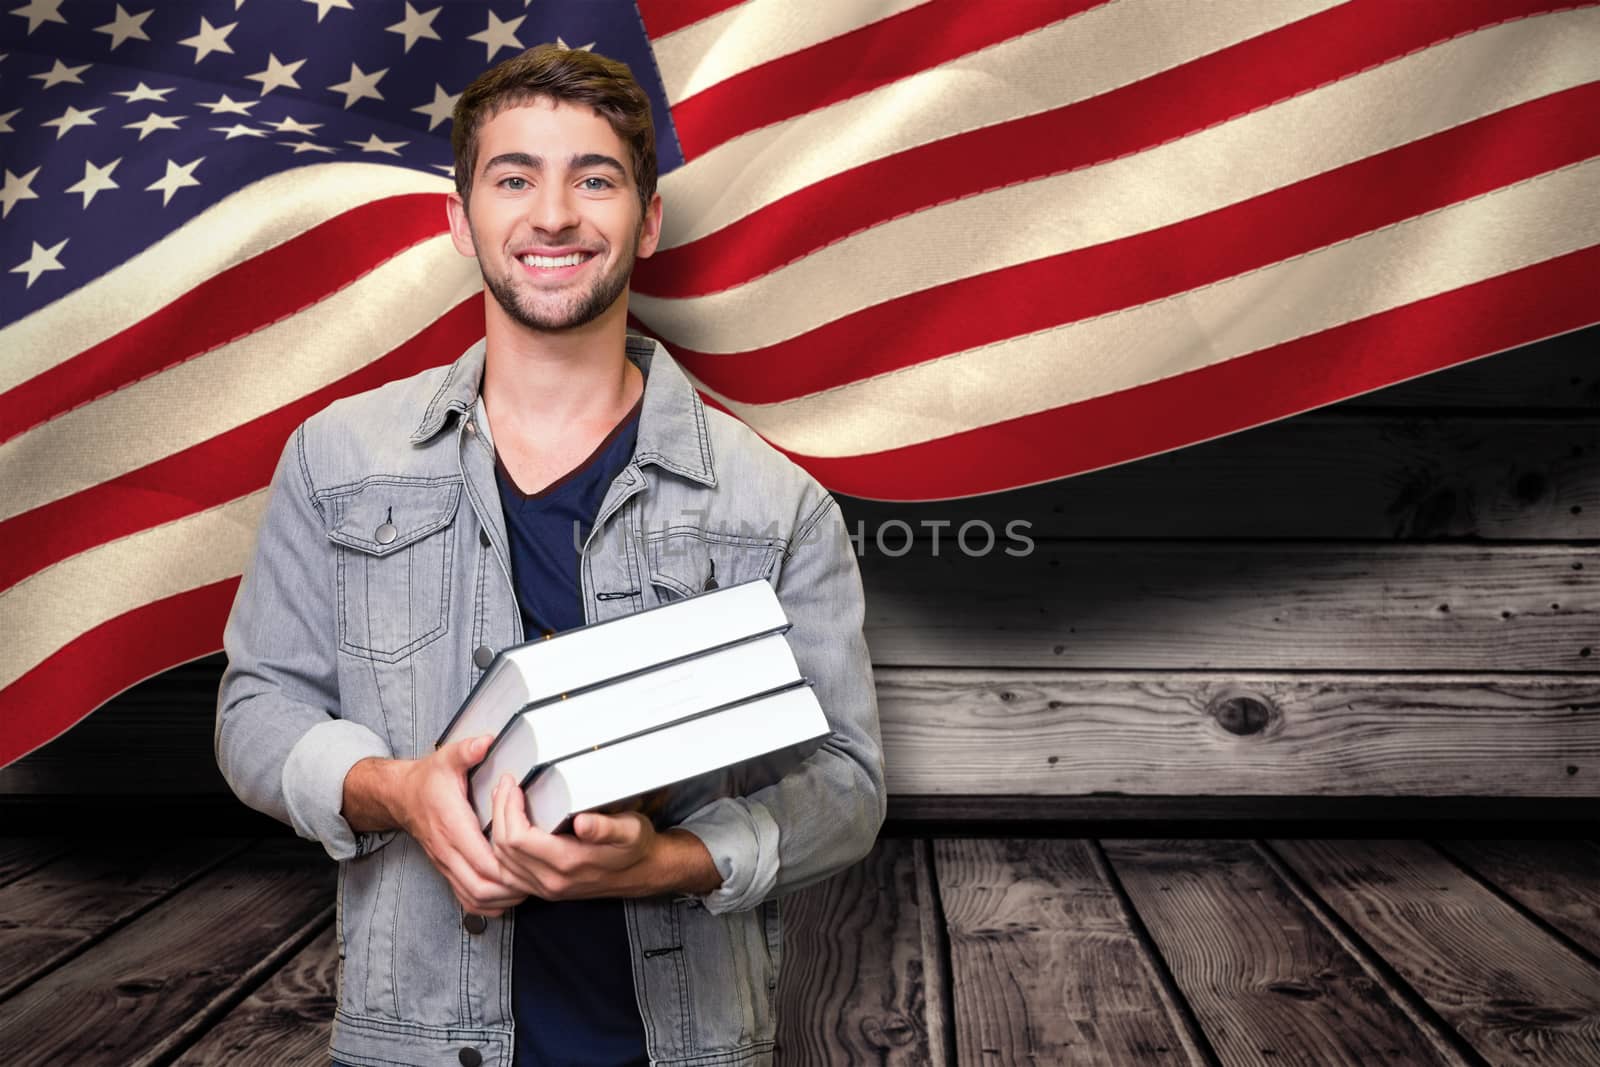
[(570, 259)]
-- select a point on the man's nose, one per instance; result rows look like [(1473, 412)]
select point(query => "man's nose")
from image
[(553, 209)]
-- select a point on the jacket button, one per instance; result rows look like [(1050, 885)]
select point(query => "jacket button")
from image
[(483, 657), (483, 537), (474, 923), (470, 1057), (385, 534), (472, 427)]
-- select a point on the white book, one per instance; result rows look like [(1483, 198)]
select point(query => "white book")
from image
[(605, 651), (769, 727), (606, 714)]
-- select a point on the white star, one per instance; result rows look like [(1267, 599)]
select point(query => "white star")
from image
[(39, 12), (449, 171), (39, 260), (324, 5), (16, 188), (373, 144), (59, 72), (124, 27), (176, 178), (571, 47), (306, 146), (289, 125), (230, 105), (143, 92), (5, 121), (153, 122), (416, 25), (498, 34), (95, 180), (359, 86), (277, 75), (443, 104), (209, 39), (70, 118), (239, 130)]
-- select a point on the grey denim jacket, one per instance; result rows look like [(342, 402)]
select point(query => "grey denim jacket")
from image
[(345, 643)]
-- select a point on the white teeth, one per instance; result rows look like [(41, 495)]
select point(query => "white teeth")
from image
[(554, 261)]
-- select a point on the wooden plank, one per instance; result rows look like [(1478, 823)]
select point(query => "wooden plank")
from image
[(852, 981), (53, 913), (1321, 475), (1045, 968), (1559, 372), (1513, 992), (1558, 881), (287, 1022), (152, 985), (1275, 606), (19, 855), (949, 732), (1265, 980)]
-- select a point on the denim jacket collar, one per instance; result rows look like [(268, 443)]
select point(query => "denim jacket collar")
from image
[(672, 422)]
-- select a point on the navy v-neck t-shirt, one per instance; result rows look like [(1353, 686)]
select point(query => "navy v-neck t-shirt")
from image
[(572, 976)]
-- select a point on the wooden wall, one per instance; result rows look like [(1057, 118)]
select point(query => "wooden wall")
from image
[(1382, 609)]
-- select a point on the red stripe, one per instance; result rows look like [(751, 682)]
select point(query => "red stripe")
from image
[(854, 63), (1504, 312), (214, 471), (1446, 168), (100, 663), (662, 17), (264, 289), (1210, 90)]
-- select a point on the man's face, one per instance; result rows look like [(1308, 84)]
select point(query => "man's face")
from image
[(554, 217)]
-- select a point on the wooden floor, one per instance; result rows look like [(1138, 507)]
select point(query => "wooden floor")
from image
[(958, 950)]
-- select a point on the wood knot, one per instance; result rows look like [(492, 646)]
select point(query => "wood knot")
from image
[(1242, 715)]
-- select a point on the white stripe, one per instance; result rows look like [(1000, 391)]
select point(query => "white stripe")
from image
[(1350, 120), (202, 397), (695, 58), (1530, 222), (81, 592), (253, 220), (1100, 50)]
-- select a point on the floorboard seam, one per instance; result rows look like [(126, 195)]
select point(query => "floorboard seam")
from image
[(938, 967), (1554, 932), (1182, 1015), (1444, 1037)]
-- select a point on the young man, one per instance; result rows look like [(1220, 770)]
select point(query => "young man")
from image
[(412, 531)]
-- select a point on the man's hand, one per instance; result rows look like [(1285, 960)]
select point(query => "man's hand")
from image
[(618, 855), (427, 798)]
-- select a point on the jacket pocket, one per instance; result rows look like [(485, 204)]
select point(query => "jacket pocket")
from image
[(395, 553), (683, 562)]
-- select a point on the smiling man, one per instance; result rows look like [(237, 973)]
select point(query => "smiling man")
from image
[(560, 472)]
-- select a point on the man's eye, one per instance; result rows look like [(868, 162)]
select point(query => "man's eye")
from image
[(595, 182), (515, 183)]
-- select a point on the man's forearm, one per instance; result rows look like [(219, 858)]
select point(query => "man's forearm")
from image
[(371, 791), (687, 864)]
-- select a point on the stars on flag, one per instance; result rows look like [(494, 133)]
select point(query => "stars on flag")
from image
[(307, 146), (177, 177), (125, 26), (277, 75), (209, 39), (443, 104), (59, 72), (153, 122), (39, 12), (5, 120), (239, 130), (143, 92), (324, 5), (95, 180), (70, 118), (374, 144), (228, 105), (41, 260), (359, 86), (415, 26), (289, 125), (16, 187), (499, 34)]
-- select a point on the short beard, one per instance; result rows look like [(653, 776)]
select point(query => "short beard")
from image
[(591, 307)]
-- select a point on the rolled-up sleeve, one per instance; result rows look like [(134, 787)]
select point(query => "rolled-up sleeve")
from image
[(825, 815), (279, 740)]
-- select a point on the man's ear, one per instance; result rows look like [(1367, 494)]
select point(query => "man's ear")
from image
[(460, 228), (650, 231)]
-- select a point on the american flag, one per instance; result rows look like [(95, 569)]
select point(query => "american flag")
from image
[(929, 248)]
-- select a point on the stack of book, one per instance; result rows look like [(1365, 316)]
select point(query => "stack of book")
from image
[(603, 714)]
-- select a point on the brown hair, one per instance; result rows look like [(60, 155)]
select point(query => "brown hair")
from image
[(562, 74)]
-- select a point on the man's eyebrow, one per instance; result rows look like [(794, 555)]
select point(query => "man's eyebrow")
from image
[(514, 159), (597, 159)]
